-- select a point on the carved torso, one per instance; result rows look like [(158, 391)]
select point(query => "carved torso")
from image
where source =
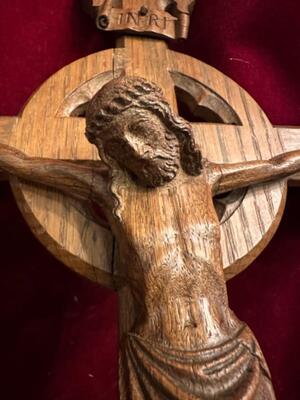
[(170, 254), (171, 259)]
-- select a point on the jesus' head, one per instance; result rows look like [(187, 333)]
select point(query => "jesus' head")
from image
[(131, 123)]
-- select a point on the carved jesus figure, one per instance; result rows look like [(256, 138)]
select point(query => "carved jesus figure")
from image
[(157, 193)]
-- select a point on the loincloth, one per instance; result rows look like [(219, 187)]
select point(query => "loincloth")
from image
[(234, 369)]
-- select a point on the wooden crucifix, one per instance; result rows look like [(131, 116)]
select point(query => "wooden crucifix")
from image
[(155, 183)]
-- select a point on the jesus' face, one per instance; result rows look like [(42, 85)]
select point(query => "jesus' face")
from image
[(140, 142)]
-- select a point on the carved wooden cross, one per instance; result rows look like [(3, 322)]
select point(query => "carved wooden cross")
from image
[(178, 337)]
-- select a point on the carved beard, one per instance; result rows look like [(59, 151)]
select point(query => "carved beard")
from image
[(157, 171)]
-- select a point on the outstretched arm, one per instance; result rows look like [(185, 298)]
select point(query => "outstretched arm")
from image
[(226, 177), (80, 179)]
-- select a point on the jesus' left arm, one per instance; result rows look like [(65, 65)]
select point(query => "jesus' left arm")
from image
[(82, 180), (227, 177)]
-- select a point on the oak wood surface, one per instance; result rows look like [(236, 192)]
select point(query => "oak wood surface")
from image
[(74, 237), (290, 138), (204, 134), (6, 127), (84, 78), (66, 230), (143, 249), (54, 219)]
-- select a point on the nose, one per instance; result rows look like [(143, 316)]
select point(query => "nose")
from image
[(138, 145)]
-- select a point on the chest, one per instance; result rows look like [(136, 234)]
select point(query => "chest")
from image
[(181, 220)]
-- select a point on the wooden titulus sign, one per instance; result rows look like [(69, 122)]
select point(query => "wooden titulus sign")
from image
[(187, 205), (165, 18)]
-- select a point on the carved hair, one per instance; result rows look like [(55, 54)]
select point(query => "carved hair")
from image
[(123, 93)]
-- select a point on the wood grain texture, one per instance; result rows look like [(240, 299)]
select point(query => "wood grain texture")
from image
[(75, 85), (233, 130), (135, 381), (254, 139), (156, 189), (290, 138), (6, 126), (179, 325), (174, 303), (59, 223)]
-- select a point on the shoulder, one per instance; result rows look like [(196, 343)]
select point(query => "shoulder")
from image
[(212, 173)]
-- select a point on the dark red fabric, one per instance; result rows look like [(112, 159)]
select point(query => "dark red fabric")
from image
[(58, 336)]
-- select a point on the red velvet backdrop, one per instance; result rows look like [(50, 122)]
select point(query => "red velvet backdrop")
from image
[(58, 336)]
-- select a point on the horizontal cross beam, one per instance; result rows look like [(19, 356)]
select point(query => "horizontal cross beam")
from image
[(290, 137)]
